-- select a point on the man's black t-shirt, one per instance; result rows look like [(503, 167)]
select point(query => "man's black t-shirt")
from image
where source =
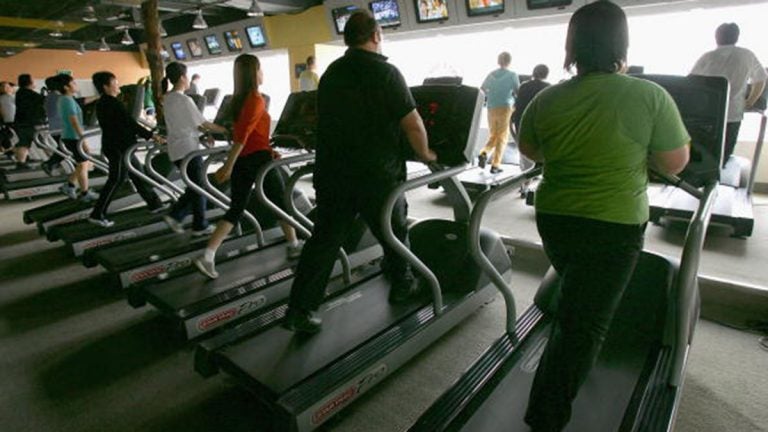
[(361, 100), (30, 108), (525, 94), (118, 128)]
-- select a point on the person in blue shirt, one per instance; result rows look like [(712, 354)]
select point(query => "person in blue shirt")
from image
[(500, 88), (71, 133)]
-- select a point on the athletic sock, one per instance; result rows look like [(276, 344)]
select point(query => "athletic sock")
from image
[(293, 243), (209, 254)]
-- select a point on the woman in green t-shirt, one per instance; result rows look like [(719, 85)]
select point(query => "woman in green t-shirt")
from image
[(593, 133)]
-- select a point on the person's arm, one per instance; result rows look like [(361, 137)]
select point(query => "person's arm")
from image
[(225, 172), (413, 127), (671, 161), (528, 142), (754, 94), (207, 126)]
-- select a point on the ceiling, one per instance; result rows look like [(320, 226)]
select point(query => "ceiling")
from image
[(26, 24)]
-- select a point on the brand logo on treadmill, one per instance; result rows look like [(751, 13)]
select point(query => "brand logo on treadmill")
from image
[(158, 269), (347, 395), (233, 312)]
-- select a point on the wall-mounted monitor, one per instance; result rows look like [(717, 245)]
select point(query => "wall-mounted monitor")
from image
[(484, 7), (164, 54), (178, 51), (386, 12), (431, 10), (213, 45), (543, 4), (256, 36), (234, 43), (195, 48), (341, 15)]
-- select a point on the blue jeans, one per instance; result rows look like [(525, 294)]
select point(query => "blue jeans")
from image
[(191, 201), (595, 261)]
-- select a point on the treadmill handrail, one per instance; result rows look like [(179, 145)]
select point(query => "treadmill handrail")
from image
[(402, 249), (262, 197), (290, 186), (476, 251), (98, 164), (686, 283), (127, 158), (152, 152), (758, 152), (44, 134), (258, 232)]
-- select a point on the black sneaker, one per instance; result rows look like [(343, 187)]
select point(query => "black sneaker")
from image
[(482, 159), (404, 291), (300, 321), (496, 170)]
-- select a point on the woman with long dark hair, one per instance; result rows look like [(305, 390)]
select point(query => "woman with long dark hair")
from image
[(250, 151), (594, 134), (184, 123)]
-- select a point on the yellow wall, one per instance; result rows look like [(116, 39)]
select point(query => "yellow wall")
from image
[(298, 34), (42, 63)]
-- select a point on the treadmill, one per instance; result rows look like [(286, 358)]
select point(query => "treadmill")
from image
[(132, 223), (733, 207), (636, 383), (167, 256), (304, 381)]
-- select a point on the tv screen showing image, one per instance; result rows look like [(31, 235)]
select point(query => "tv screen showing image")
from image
[(233, 40), (178, 51), (195, 48), (341, 15), (431, 10), (386, 12), (256, 36), (212, 43), (164, 54), (543, 4), (484, 7)]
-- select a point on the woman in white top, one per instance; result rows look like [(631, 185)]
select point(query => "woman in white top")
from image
[(184, 123)]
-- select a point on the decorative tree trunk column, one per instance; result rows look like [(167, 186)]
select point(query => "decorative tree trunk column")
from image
[(151, 18)]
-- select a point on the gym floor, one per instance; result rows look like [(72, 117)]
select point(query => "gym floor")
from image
[(75, 357)]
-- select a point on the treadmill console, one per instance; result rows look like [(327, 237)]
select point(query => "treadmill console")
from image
[(703, 105), (451, 115), (297, 127)]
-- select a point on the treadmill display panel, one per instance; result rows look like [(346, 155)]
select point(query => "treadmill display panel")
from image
[(703, 104), (450, 114), (297, 127)]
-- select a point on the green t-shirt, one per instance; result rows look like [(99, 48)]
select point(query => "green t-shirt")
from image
[(595, 133)]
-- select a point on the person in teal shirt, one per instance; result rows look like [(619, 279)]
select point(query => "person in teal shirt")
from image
[(71, 133), (594, 134), (500, 87)]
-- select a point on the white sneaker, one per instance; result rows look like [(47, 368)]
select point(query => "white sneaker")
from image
[(89, 196), (105, 223), (68, 190), (173, 224), (204, 232), (294, 252), (206, 267)]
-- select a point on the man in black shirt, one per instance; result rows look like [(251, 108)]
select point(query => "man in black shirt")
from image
[(526, 93), (119, 131), (30, 112), (363, 105)]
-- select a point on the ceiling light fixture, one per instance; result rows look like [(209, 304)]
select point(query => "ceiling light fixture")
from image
[(255, 10), (57, 33), (81, 50), (103, 46), (163, 31), (199, 22), (127, 39)]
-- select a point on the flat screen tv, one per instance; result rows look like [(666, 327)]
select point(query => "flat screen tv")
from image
[(233, 40), (213, 45), (341, 15), (164, 54), (484, 7), (195, 48), (256, 36), (178, 51), (431, 10), (543, 4), (386, 12)]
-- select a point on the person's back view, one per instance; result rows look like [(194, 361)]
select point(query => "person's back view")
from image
[(527, 91), (739, 66), (500, 87)]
